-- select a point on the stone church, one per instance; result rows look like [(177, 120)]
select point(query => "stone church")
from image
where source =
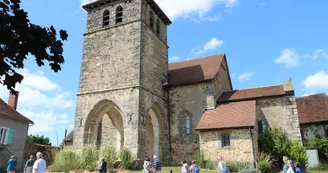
[(130, 96)]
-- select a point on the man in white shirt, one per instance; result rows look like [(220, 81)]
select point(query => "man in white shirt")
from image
[(40, 165)]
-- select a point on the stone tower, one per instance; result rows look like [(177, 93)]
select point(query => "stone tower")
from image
[(121, 100)]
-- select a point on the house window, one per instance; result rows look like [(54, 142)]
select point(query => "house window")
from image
[(6, 135), (326, 129), (158, 31), (151, 19), (187, 125), (225, 140), (106, 18), (119, 14), (262, 126)]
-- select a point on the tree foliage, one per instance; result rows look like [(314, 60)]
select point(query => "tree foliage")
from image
[(275, 142), (298, 153), (36, 139), (19, 38)]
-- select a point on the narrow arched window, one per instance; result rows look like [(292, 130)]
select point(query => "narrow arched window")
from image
[(151, 20), (158, 29), (187, 124), (119, 14), (106, 18), (262, 126)]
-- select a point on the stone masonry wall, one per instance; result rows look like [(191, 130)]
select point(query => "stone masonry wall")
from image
[(280, 112), (190, 99), (221, 81), (154, 62), (240, 149), (131, 12), (126, 100), (111, 59)]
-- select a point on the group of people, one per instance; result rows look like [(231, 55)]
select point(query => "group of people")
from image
[(290, 167), (31, 166), (155, 167)]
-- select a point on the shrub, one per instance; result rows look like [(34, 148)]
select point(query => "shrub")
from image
[(298, 153), (109, 154), (275, 141), (89, 157), (210, 165), (200, 157), (320, 167), (264, 166), (237, 166), (319, 143), (265, 156), (126, 158), (65, 161)]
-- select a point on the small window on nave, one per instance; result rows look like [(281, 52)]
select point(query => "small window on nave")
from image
[(187, 124), (119, 14)]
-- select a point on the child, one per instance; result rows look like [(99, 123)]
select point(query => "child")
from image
[(194, 167), (298, 169)]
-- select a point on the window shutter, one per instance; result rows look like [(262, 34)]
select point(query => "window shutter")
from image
[(10, 136)]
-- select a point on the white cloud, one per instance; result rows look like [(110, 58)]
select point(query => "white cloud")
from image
[(44, 121), (289, 58), (175, 59), (319, 53), (307, 94), (246, 76), (213, 44), (316, 82), (38, 81), (184, 8)]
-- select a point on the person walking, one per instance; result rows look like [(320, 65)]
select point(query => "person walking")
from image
[(40, 165), (285, 164), (291, 168), (297, 168), (194, 168), (222, 166), (185, 167), (102, 166), (157, 165), (147, 165), (11, 165), (29, 165)]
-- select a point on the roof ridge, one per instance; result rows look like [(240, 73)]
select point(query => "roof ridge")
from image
[(204, 57), (311, 95), (255, 87)]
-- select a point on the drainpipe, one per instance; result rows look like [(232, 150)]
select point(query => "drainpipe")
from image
[(253, 148)]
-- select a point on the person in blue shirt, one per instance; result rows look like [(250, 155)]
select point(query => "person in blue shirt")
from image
[(298, 168), (11, 165)]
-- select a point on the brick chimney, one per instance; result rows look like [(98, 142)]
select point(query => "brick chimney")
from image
[(13, 99)]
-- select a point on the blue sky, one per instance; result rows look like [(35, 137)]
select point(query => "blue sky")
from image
[(266, 42)]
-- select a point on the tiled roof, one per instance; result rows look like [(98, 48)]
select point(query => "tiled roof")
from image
[(7, 112), (151, 3), (229, 115), (69, 137), (313, 108), (252, 93), (196, 70)]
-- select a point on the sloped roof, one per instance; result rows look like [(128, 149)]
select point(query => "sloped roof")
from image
[(313, 108), (229, 115), (69, 137), (8, 112), (195, 70), (151, 3), (252, 93)]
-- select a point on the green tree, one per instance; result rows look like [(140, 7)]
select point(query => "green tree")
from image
[(19, 38), (36, 139), (275, 142), (298, 153)]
